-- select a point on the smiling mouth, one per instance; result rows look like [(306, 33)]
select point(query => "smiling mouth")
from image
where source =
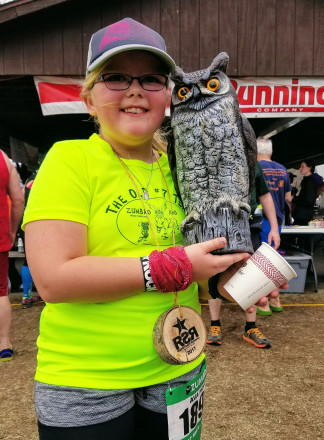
[(134, 110)]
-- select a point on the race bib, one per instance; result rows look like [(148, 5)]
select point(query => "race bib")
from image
[(185, 408)]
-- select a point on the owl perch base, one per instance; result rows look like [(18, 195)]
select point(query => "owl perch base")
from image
[(221, 223)]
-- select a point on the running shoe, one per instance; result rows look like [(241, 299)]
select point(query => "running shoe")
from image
[(275, 308), (255, 336), (214, 336), (264, 312), (6, 354), (27, 302)]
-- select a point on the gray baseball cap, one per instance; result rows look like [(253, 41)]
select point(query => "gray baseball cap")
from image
[(122, 36)]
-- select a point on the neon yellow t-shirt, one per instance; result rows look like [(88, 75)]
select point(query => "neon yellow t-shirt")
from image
[(107, 345)]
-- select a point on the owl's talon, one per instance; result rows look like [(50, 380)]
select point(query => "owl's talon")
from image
[(190, 221)]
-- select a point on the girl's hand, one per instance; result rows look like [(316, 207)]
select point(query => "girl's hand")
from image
[(224, 277), (205, 264)]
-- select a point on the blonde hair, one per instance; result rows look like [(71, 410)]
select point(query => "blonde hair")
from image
[(159, 142)]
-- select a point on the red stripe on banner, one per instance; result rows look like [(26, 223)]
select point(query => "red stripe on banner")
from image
[(51, 92)]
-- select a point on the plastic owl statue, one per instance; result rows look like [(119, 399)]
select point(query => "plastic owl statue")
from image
[(212, 156)]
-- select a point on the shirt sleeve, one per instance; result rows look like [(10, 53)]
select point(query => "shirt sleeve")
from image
[(287, 183), (262, 186), (61, 188)]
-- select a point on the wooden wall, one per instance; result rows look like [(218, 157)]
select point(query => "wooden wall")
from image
[(262, 37)]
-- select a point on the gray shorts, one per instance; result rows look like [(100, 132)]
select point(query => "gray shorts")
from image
[(71, 407)]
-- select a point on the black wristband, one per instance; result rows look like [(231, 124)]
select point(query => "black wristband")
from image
[(148, 282)]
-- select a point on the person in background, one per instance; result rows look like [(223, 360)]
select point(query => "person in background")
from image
[(9, 186), (277, 178), (89, 237), (288, 205), (252, 334), (28, 298), (304, 202)]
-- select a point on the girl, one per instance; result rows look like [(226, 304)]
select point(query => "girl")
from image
[(97, 206)]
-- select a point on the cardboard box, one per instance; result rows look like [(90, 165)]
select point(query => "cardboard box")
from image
[(299, 262)]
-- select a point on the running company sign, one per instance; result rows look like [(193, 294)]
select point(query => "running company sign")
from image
[(258, 97), (280, 97)]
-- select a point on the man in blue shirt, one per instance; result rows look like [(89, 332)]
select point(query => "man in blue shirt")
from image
[(277, 178)]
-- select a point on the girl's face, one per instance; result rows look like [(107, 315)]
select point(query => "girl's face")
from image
[(129, 118), (304, 169)]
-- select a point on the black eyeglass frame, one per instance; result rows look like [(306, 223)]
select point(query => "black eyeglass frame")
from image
[(131, 79)]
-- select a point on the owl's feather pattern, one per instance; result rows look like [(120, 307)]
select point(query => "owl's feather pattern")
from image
[(213, 153)]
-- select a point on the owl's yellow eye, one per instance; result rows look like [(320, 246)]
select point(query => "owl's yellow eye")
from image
[(182, 92), (213, 84)]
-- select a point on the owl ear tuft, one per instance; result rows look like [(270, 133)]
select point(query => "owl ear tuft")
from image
[(177, 75), (220, 62)]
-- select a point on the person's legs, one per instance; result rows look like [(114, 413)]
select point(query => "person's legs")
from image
[(5, 308), (252, 334), (27, 281), (214, 336), (150, 425), (5, 321), (214, 333), (28, 298), (214, 308), (136, 424), (151, 407), (120, 428), (274, 304), (14, 276), (250, 317)]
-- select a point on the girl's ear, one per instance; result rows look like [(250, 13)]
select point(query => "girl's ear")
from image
[(168, 96), (90, 107)]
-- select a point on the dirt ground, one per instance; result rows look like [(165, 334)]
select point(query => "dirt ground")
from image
[(251, 394)]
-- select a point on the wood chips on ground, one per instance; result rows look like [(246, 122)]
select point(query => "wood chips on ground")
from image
[(251, 394)]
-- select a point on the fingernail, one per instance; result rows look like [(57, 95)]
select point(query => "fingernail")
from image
[(223, 241)]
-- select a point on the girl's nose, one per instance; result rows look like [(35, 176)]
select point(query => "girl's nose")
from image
[(135, 88)]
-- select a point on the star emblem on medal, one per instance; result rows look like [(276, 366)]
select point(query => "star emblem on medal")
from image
[(180, 325)]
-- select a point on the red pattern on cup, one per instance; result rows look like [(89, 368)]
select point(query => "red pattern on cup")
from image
[(265, 265)]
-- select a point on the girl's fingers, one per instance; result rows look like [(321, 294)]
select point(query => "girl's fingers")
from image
[(230, 259), (262, 302), (211, 245)]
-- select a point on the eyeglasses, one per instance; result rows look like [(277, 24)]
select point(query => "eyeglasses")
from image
[(120, 81)]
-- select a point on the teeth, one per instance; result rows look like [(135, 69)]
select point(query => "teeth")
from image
[(134, 110)]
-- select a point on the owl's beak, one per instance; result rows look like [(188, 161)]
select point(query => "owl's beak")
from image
[(196, 93)]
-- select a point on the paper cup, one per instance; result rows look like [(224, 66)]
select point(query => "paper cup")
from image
[(265, 271)]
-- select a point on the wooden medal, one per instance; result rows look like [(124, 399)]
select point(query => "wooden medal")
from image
[(179, 335)]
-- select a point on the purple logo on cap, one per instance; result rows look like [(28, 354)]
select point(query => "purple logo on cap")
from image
[(125, 30)]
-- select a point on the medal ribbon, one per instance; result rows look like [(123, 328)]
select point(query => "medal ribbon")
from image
[(172, 278)]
